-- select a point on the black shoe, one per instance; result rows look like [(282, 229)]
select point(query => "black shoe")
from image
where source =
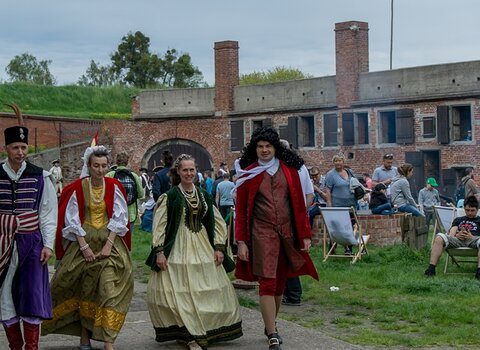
[(280, 340), (431, 272), (273, 342), (477, 275), (348, 251), (289, 302)]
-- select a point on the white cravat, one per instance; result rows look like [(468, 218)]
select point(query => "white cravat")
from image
[(270, 167)]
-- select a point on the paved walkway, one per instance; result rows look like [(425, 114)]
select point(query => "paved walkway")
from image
[(138, 334)]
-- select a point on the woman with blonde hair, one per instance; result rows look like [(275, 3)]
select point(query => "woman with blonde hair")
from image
[(189, 295)]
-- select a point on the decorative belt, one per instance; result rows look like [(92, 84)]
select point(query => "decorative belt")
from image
[(10, 225), (27, 222)]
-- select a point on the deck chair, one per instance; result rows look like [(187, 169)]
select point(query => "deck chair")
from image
[(444, 218), (338, 224)]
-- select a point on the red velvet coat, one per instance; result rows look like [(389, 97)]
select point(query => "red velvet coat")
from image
[(67, 192), (243, 221)]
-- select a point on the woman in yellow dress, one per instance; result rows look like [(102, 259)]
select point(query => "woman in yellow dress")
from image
[(93, 285), (190, 297)]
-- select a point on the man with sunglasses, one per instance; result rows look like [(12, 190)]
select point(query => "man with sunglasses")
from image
[(385, 173)]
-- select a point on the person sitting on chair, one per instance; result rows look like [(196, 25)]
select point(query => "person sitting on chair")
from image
[(465, 232)]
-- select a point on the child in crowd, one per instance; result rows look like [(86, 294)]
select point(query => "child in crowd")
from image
[(379, 203), (362, 203)]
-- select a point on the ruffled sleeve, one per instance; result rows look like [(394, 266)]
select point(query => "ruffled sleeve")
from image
[(159, 222), (73, 225), (118, 223)]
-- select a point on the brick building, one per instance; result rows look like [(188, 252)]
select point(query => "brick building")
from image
[(428, 116)]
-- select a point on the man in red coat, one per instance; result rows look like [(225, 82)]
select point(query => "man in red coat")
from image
[(271, 225)]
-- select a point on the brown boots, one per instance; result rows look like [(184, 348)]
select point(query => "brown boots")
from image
[(15, 339)]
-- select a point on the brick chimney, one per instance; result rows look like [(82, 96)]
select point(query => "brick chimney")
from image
[(351, 53), (226, 74)]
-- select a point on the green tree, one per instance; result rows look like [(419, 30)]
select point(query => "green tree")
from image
[(98, 75), (136, 65), (179, 72), (27, 68), (275, 74)]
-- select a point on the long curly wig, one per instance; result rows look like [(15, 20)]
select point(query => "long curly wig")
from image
[(269, 134)]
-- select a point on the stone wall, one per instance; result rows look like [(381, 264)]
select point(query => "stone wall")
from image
[(383, 229)]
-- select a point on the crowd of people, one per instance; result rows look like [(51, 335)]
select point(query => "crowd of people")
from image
[(264, 198)]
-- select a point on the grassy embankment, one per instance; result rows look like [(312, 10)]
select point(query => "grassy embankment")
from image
[(69, 101), (383, 300)]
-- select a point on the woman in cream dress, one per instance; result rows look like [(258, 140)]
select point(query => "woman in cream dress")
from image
[(190, 297)]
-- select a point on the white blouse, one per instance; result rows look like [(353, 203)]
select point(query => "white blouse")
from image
[(117, 223)]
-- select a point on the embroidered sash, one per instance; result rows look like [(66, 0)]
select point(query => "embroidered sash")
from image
[(10, 225)]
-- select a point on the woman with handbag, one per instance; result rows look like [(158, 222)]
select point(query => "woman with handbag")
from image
[(189, 295)]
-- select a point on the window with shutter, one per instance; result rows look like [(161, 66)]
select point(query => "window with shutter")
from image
[(306, 131), (404, 122), (256, 124), (429, 129), (267, 122), (362, 128), (293, 131), (461, 123), (443, 125), (348, 130), (330, 126), (237, 135), (388, 127), (283, 132)]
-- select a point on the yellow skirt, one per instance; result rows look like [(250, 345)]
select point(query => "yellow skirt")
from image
[(94, 295)]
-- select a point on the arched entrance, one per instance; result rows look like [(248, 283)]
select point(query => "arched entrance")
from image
[(153, 156)]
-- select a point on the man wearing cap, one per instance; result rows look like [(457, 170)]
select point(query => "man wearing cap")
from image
[(427, 198), (56, 172), (28, 212)]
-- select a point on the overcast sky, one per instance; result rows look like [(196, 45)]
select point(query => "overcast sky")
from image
[(297, 34)]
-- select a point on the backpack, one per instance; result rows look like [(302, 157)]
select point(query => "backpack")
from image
[(356, 187), (147, 187), (460, 191), (127, 179)]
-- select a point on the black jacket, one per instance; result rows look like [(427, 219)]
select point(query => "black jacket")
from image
[(377, 198)]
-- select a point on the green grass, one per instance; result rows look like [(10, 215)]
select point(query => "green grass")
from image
[(384, 300), (69, 101)]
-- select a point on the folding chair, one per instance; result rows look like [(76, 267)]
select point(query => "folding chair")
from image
[(444, 219), (338, 223)]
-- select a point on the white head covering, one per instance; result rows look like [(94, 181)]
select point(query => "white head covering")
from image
[(86, 157)]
